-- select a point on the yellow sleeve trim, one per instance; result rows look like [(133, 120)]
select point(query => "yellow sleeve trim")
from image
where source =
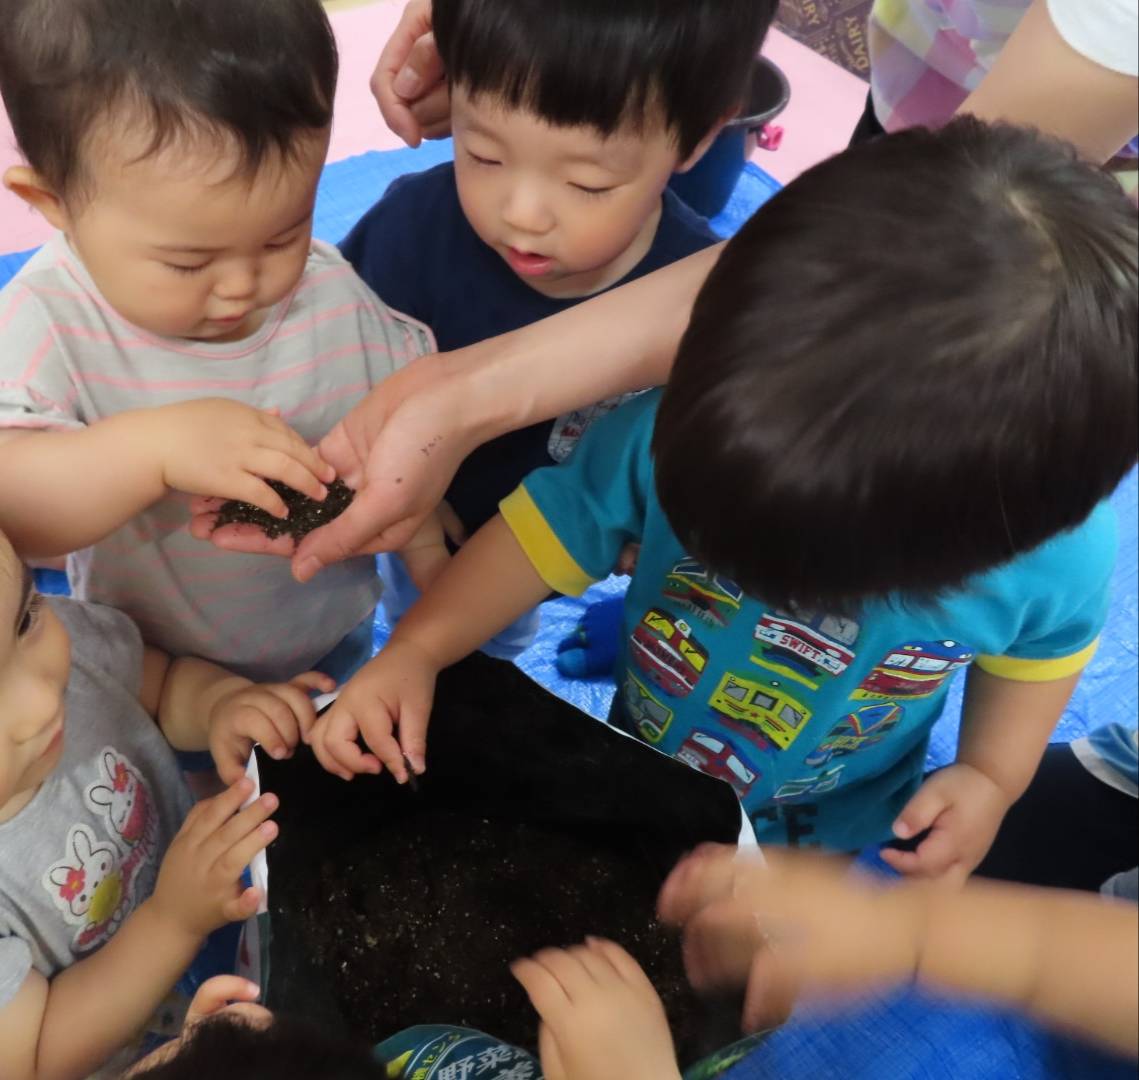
[(554, 564), (1009, 667)]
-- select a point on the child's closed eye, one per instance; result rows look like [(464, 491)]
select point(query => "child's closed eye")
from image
[(31, 616), (482, 160), (594, 192), (179, 268)]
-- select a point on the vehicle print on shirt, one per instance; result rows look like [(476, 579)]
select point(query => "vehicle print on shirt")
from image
[(805, 646), (914, 670), (711, 597), (650, 717), (665, 649), (865, 727), (766, 709), (810, 785), (717, 756)]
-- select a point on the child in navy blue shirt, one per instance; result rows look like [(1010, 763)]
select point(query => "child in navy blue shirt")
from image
[(569, 121)]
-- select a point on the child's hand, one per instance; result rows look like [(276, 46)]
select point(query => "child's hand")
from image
[(223, 448), (395, 689), (199, 883), (276, 715), (601, 1019), (425, 555), (800, 923), (964, 809)]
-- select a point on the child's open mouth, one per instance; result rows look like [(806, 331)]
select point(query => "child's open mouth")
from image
[(527, 263)]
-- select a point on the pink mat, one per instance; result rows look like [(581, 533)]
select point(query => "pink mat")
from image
[(825, 104)]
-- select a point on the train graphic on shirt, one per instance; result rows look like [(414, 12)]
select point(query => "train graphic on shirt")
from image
[(805, 646), (650, 716), (666, 650), (716, 755), (914, 670), (711, 597), (764, 710), (866, 727)]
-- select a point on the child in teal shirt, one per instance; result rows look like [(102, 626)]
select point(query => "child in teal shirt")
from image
[(839, 510)]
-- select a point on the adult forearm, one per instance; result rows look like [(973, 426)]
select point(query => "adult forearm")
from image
[(1006, 724), (1070, 959), (484, 588), (97, 1005), (64, 490), (619, 341), (1040, 81)]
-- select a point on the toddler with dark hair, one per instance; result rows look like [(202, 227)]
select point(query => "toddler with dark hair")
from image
[(839, 510), (569, 120), (183, 332)]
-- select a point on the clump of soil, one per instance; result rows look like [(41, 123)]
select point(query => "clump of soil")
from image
[(305, 514), (534, 825)]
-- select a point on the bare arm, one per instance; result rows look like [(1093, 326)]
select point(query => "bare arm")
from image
[(1040, 80), (401, 446), (1070, 959)]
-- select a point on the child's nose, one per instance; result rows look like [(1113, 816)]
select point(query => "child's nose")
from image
[(526, 211), (238, 283)]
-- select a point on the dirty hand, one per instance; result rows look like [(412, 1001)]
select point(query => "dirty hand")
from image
[(394, 689), (399, 449), (963, 808), (199, 883), (213, 446), (276, 715), (601, 1019), (409, 84), (782, 928)]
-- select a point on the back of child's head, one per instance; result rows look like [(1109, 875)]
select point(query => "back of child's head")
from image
[(247, 72), (606, 64), (224, 1048), (915, 363)]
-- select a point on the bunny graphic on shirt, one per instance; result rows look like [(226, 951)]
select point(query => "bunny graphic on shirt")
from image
[(97, 884)]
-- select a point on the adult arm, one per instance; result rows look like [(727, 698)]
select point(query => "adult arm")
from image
[(400, 447), (1069, 959), (1041, 80)]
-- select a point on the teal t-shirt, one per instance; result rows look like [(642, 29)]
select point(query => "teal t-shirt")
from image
[(819, 722)]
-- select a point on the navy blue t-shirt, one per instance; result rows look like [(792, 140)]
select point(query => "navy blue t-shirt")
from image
[(418, 252)]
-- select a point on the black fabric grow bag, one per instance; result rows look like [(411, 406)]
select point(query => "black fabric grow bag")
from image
[(533, 826)]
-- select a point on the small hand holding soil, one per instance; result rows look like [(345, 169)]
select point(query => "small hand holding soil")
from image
[(305, 514)]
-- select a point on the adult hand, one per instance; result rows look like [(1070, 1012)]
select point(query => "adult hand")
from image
[(963, 808), (409, 84), (399, 448), (795, 923), (601, 1017)]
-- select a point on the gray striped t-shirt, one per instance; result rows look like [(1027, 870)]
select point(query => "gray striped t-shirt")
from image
[(68, 359)]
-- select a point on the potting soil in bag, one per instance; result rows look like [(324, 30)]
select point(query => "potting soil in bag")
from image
[(533, 826)]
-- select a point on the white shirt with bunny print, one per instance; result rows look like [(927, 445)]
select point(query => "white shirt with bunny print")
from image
[(84, 853)]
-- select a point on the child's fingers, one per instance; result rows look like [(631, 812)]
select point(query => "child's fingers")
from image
[(231, 755), (703, 875), (772, 988), (232, 863), (242, 907), (246, 822), (720, 942), (377, 732), (333, 742), (246, 487), (280, 437), (545, 992), (568, 968), (621, 962), (273, 711), (210, 814), (928, 803), (216, 993), (278, 465), (413, 737), (314, 681), (936, 854)]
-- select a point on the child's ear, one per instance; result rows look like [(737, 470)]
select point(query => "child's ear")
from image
[(702, 146), (31, 187)]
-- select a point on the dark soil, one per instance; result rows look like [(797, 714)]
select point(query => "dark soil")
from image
[(305, 514), (533, 826)]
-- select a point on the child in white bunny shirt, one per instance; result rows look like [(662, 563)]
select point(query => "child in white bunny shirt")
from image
[(110, 879)]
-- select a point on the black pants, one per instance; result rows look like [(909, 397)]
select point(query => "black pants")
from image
[(1068, 829)]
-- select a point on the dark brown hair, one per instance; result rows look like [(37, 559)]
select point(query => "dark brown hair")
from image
[(913, 364), (257, 71)]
